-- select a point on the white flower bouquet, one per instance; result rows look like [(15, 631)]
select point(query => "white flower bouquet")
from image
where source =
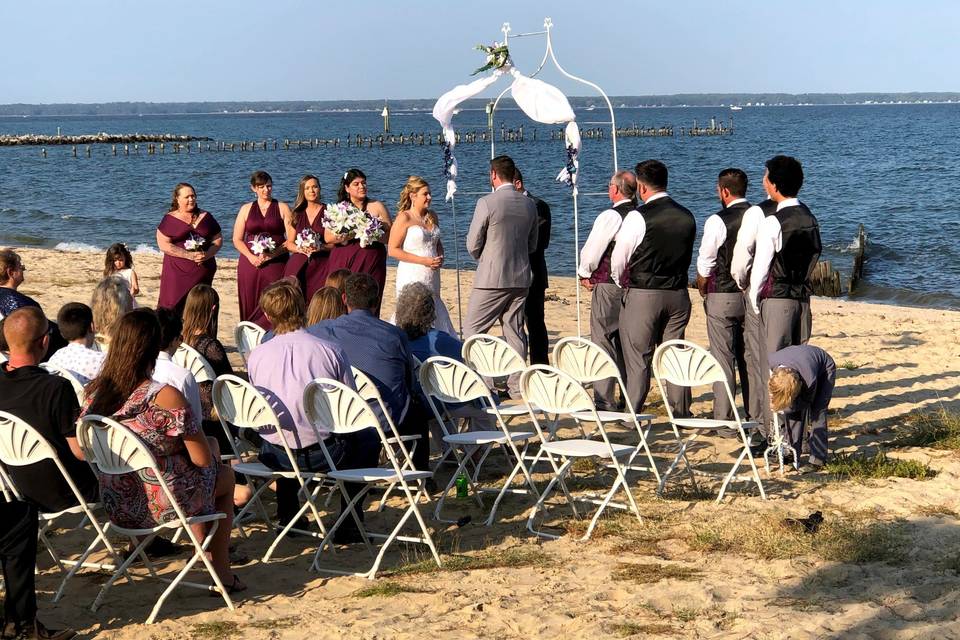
[(194, 242), (344, 219), (262, 243), (307, 239), (371, 231)]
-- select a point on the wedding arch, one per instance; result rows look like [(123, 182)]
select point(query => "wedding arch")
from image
[(541, 102)]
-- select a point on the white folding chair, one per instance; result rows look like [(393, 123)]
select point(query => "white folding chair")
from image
[(587, 363), (686, 364), (246, 336), (369, 392), (332, 405), (493, 357), (22, 445), (241, 404), (555, 392), (191, 360), (70, 377), (115, 450), (778, 442), (444, 381)]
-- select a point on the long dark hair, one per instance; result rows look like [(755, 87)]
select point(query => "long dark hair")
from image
[(300, 204), (134, 346), (348, 177), (116, 251)]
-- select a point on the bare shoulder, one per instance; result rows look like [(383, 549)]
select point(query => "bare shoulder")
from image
[(377, 208), (170, 398), (244, 209)]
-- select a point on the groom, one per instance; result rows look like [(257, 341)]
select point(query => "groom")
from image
[(503, 234)]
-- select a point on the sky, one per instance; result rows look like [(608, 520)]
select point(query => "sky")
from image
[(199, 50)]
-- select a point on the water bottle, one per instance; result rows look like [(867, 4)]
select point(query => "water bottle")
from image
[(462, 484)]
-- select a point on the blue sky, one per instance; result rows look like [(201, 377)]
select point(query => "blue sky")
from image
[(175, 50)]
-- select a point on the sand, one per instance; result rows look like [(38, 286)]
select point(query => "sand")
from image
[(892, 361)]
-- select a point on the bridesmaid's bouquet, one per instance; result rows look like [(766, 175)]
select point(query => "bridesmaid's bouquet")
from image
[(262, 243), (194, 242), (370, 232), (307, 239), (344, 219)]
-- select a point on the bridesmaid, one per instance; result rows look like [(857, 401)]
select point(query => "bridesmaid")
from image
[(348, 254), (265, 217), (307, 265), (185, 268)]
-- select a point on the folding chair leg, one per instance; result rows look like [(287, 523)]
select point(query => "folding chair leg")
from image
[(328, 539), (543, 497), (461, 466), (101, 537), (621, 481), (506, 485), (307, 504), (137, 552), (682, 455)]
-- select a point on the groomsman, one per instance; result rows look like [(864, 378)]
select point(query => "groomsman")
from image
[(788, 247), (533, 307), (723, 300), (502, 235), (754, 338), (595, 276), (650, 260)]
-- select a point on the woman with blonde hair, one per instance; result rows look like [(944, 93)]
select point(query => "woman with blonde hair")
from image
[(415, 244), (111, 300), (326, 304)]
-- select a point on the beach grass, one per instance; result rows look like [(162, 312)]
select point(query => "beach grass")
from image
[(626, 629), (388, 589), (215, 630), (654, 572), (850, 365), (519, 556), (275, 623), (935, 429), (862, 467), (936, 511)]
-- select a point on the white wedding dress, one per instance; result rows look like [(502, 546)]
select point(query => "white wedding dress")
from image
[(424, 242)]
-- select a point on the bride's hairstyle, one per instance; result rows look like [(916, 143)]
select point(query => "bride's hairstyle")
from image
[(414, 184), (300, 204), (348, 177)]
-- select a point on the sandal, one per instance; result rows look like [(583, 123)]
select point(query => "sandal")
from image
[(234, 587)]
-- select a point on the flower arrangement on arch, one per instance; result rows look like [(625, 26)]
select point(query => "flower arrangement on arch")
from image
[(497, 56)]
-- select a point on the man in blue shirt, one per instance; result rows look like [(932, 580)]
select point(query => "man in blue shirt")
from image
[(381, 351)]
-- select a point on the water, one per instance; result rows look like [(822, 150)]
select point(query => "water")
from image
[(892, 168)]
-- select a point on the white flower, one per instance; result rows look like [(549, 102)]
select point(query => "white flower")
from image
[(194, 242), (261, 244), (307, 238)]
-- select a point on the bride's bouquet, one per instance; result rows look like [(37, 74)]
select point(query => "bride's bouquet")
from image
[(307, 240), (194, 242), (262, 243), (344, 219)]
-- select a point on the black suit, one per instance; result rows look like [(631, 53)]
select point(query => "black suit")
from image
[(533, 308)]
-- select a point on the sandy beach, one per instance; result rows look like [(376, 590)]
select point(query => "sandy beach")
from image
[(884, 564)]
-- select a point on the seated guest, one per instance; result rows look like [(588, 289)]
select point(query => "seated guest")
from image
[(326, 304), (380, 350), (78, 357), (200, 322), (11, 277), (111, 299), (415, 315), (801, 385), (338, 278), (47, 403), (162, 418), (169, 372), (281, 369)]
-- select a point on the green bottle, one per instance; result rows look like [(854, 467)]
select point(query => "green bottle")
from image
[(462, 484)]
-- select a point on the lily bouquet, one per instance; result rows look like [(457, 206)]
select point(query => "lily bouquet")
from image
[(262, 243), (344, 219), (194, 242), (307, 239)]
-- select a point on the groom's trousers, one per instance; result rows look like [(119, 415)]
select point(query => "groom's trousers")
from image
[(486, 307)]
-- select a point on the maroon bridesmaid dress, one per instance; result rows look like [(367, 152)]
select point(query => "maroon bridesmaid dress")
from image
[(251, 280), (371, 260), (179, 275), (310, 272)]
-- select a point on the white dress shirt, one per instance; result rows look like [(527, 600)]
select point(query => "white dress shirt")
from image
[(769, 242), (605, 228), (714, 235), (743, 250), (629, 237), (168, 372)]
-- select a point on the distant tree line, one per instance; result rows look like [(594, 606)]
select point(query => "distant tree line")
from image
[(675, 100)]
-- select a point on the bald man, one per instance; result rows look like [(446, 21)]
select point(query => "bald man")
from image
[(48, 404)]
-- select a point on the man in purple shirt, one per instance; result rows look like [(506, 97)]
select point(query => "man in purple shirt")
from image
[(281, 369)]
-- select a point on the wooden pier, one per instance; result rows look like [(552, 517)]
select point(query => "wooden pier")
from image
[(30, 139)]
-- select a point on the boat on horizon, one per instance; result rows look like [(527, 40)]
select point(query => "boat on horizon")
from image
[(736, 107)]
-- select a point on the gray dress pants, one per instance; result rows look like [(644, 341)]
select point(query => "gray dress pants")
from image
[(486, 307), (649, 317), (725, 331), (755, 353), (605, 332)]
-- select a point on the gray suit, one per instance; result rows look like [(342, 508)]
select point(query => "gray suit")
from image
[(503, 234)]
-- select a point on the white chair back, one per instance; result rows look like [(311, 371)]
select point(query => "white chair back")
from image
[(451, 381), (584, 360), (191, 360), (69, 376), (114, 449), (553, 391), (338, 408), (685, 364), (365, 387), (240, 403), (491, 356), (20, 445), (247, 335)]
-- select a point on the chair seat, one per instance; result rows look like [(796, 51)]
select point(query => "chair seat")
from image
[(53, 515), (485, 437), (173, 524), (377, 474), (586, 449), (708, 423), (613, 416), (508, 410), (257, 469), (407, 438)]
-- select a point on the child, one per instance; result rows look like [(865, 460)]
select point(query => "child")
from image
[(801, 385), (76, 326), (119, 262)]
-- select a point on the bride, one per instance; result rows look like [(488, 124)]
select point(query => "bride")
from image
[(415, 243)]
